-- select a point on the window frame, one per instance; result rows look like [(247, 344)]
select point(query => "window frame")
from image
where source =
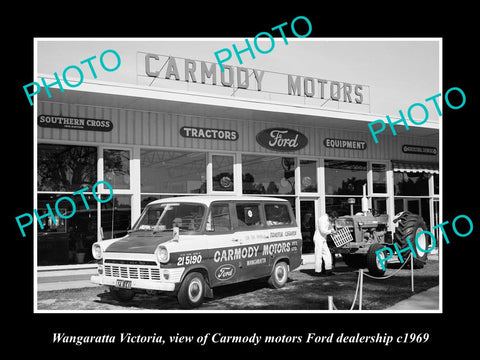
[(290, 214), (317, 175), (63, 143), (370, 192), (101, 167), (261, 214), (214, 232), (169, 149), (209, 174), (268, 155), (324, 166)]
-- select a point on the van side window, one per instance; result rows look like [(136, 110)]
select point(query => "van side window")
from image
[(277, 214), (219, 218), (248, 215)]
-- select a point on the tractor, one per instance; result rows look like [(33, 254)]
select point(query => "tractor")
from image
[(367, 233)]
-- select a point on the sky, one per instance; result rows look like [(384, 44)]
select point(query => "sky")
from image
[(399, 72)]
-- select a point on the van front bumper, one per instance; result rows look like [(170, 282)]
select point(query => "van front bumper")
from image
[(136, 283)]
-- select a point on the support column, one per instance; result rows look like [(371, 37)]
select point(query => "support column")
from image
[(135, 184)]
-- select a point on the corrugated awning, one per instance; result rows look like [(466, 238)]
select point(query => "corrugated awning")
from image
[(402, 166)]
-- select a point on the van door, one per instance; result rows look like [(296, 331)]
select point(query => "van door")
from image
[(251, 235), (220, 241), (284, 234)]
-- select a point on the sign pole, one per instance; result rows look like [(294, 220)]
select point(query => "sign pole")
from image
[(411, 271), (361, 291)]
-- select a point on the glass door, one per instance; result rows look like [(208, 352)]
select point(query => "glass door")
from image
[(412, 205), (221, 173), (307, 224)]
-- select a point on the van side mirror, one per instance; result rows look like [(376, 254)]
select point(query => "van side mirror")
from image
[(176, 233), (209, 227)]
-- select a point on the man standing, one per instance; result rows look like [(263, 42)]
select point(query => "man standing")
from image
[(322, 253)]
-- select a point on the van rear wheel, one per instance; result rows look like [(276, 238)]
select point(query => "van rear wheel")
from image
[(192, 291), (279, 275)]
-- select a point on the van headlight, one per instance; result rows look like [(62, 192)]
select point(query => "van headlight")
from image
[(162, 254), (97, 251)]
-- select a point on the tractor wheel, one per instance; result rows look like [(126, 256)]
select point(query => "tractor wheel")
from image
[(409, 225), (373, 263)]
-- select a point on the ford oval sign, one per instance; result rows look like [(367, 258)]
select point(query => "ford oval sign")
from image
[(281, 139), (225, 272)]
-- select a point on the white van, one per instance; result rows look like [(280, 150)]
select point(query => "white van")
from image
[(190, 245)]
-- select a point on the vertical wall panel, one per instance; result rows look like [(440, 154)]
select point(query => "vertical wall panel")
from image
[(159, 129)]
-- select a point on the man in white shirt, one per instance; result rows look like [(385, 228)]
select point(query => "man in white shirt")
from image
[(322, 253)]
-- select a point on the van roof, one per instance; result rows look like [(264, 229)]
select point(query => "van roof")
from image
[(207, 199)]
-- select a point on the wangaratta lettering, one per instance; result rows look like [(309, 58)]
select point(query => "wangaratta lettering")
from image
[(82, 339)]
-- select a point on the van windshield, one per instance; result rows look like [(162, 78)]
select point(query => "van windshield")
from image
[(163, 217)]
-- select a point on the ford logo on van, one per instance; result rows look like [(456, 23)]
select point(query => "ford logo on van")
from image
[(225, 272)]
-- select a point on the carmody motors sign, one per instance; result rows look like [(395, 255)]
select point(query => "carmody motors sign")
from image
[(203, 72), (282, 139)]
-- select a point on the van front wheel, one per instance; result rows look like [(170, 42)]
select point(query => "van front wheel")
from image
[(192, 291), (279, 275)]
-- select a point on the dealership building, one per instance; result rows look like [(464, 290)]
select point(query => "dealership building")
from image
[(179, 126)]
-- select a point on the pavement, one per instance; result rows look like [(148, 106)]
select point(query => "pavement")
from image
[(425, 300), (62, 278), (65, 277)]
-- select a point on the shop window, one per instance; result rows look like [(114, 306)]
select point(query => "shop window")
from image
[(342, 206), (222, 173), (425, 208), (116, 216), (345, 177), (379, 206), (410, 183), (268, 175), (398, 203), (66, 241), (66, 167), (147, 199), (116, 168), (308, 175), (379, 177), (277, 214), (219, 218), (248, 215), (173, 171), (436, 184)]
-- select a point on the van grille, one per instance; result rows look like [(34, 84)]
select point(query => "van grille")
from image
[(132, 272)]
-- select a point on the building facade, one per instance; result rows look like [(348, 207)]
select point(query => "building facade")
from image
[(151, 142)]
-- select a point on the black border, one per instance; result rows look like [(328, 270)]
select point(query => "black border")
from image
[(33, 332)]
